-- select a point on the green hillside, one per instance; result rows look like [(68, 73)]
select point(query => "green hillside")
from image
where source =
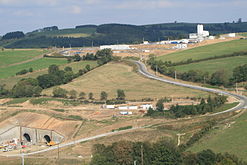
[(8, 57), (225, 138), (207, 51), (211, 66), (36, 65), (76, 66), (115, 33), (84, 32)]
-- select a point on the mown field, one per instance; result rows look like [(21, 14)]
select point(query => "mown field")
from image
[(207, 51), (113, 76), (226, 139), (76, 66), (8, 56), (211, 66), (84, 32)]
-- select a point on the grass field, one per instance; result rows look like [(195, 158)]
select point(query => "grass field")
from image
[(74, 35), (227, 64), (113, 76), (36, 65), (63, 32), (207, 51), (76, 66), (8, 57), (224, 139)]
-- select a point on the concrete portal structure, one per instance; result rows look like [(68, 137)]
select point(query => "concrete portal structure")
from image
[(30, 135)]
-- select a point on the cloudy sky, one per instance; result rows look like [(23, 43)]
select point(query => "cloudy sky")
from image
[(28, 15)]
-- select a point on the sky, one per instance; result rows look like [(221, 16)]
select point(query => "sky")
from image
[(29, 15)]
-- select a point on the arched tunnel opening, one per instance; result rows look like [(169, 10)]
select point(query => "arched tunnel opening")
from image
[(47, 138), (27, 137)]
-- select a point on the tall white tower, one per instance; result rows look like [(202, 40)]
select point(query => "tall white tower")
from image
[(200, 29)]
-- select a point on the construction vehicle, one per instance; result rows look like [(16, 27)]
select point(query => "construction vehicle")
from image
[(51, 143)]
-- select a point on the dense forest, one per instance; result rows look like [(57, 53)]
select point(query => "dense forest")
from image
[(115, 33)]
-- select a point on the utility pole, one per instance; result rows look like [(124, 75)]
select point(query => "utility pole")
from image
[(175, 75), (237, 87), (142, 154), (156, 69), (22, 159), (58, 153)]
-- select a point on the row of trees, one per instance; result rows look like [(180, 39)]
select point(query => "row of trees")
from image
[(179, 111), (101, 56), (24, 71), (217, 78), (73, 94), (160, 153)]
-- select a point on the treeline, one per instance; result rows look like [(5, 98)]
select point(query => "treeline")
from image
[(179, 111), (160, 153), (107, 34), (218, 78), (204, 107), (33, 86), (73, 94), (24, 71), (13, 35)]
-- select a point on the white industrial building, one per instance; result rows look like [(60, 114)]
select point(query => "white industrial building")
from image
[(200, 35), (115, 47)]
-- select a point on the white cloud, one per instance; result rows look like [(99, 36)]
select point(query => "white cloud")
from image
[(75, 10), (92, 2), (29, 2), (23, 13), (145, 4)]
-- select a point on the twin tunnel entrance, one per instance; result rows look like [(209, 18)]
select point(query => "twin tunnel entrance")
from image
[(28, 138)]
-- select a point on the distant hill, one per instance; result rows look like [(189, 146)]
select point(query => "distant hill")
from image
[(85, 35)]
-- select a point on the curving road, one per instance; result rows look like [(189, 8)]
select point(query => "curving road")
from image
[(143, 70), (242, 99)]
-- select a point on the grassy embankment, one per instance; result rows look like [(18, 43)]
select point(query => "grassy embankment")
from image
[(113, 76), (229, 137)]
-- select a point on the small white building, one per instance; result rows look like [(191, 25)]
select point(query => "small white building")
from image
[(133, 107), (146, 106), (123, 113), (231, 35), (110, 106), (123, 108), (145, 42), (180, 46), (115, 47)]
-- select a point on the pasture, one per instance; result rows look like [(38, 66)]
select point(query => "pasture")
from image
[(211, 66), (76, 66), (9, 56), (207, 51), (113, 76)]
